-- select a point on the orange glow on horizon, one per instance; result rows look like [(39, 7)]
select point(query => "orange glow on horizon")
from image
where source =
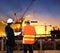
[(39, 29)]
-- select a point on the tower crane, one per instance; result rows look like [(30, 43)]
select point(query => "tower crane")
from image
[(20, 21), (21, 18)]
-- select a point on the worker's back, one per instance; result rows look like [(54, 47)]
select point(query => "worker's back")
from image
[(29, 30), (29, 34)]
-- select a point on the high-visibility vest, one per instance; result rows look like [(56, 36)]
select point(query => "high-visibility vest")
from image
[(29, 35)]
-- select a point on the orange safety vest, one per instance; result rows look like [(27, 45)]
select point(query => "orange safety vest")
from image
[(29, 35)]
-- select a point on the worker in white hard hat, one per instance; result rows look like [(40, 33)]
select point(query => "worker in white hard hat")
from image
[(10, 41)]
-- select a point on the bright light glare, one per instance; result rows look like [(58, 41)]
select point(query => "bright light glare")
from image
[(41, 30)]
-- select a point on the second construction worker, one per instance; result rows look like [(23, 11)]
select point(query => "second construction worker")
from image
[(28, 37), (10, 40)]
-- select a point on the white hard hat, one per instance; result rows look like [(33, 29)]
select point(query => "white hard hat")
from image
[(10, 20)]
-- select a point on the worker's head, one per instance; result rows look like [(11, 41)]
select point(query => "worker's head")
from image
[(9, 21), (27, 22)]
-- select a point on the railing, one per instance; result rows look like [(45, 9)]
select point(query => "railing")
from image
[(40, 45)]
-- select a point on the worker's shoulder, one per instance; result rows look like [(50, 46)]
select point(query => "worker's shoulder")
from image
[(7, 27), (29, 26)]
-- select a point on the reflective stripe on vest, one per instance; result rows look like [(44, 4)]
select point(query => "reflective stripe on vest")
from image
[(28, 39), (29, 35)]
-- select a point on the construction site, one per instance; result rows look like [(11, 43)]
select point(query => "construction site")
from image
[(47, 34)]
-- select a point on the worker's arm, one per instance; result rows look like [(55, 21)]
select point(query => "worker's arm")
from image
[(17, 33)]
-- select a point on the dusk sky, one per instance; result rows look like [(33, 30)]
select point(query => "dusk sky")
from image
[(45, 11)]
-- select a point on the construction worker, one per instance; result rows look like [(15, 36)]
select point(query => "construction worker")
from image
[(10, 41), (28, 37)]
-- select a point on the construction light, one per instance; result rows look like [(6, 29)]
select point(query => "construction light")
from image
[(20, 21)]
